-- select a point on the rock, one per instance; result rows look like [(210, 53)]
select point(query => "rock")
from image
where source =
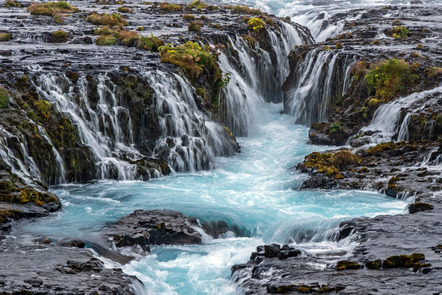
[(154, 227), (272, 250), (345, 264), (419, 206)]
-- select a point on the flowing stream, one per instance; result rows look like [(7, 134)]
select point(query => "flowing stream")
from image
[(253, 191)]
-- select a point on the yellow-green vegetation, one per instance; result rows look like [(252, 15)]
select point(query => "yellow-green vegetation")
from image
[(4, 97), (150, 43), (256, 12), (250, 41), (338, 45), (43, 107), (195, 26), (331, 163), (335, 127), (432, 72), (105, 19), (124, 9), (104, 30), (140, 28), (191, 58), (400, 32), (241, 9), (188, 17), (27, 195), (59, 36), (386, 146), (106, 40), (11, 3), (5, 37), (256, 24), (55, 9), (171, 6), (391, 77), (128, 38), (198, 5), (7, 214), (345, 264)]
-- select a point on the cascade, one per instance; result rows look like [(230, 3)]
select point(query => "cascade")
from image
[(321, 77), (391, 120)]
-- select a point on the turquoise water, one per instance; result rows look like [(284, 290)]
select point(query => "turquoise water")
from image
[(255, 190)]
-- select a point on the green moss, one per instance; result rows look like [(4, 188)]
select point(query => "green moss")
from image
[(241, 9), (345, 264), (106, 40), (104, 30), (171, 6), (124, 9), (335, 127), (391, 77), (188, 17), (385, 146), (59, 36), (5, 37), (4, 97), (11, 3), (43, 107), (375, 264)]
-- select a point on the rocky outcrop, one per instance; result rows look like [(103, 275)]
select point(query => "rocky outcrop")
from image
[(155, 227)]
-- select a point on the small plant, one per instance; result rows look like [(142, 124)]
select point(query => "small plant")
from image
[(124, 9), (190, 57), (391, 77), (432, 72), (338, 45), (11, 3), (250, 41), (128, 38), (256, 24), (140, 29), (5, 37), (420, 46), (59, 36), (241, 9), (400, 32), (4, 97), (105, 40), (198, 5), (269, 21), (335, 127), (43, 107), (150, 43), (51, 8), (256, 12), (188, 16), (105, 19), (170, 7), (104, 31), (195, 26)]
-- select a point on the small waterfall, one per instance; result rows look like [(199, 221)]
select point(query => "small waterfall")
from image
[(189, 141), (254, 77), (318, 81), (99, 124), (389, 122)]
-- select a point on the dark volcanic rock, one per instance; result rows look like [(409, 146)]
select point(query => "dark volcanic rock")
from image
[(155, 227)]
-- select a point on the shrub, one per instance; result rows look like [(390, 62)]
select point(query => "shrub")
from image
[(190, 57), (4, 97), (256, 24), (5, 37), (400, 32), (124, 9), (391, 77), (105, 19), (106, 40), (198, 5), (59, 36), (150, 43), (188, 16), (195, 26)]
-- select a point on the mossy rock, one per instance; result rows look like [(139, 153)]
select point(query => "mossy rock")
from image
[(375, 264), (346, 264), (419, 206), (4, 97)]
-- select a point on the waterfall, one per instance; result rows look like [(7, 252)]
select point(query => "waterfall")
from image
[(189, 140), (389, 122), (321, 77), (254, 77)]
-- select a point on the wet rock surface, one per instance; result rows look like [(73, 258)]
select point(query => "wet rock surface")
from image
[(32, 265), (153, 227)]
